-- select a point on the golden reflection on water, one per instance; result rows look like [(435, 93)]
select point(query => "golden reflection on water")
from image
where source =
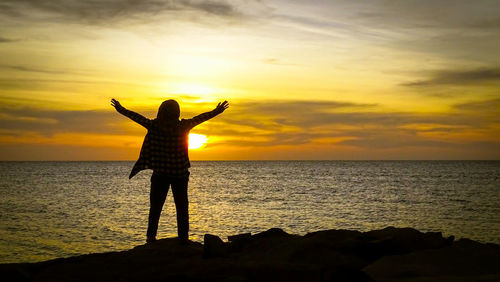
[(58, 209)]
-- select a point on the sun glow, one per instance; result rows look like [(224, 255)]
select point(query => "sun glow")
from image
[(197, 141), (192, 89)]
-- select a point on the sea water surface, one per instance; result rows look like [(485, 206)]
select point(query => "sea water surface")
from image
[(59, 209)]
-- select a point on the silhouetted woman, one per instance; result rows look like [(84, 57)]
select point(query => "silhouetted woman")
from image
[(165, 151)]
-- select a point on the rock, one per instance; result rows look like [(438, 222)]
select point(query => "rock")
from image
[(15, 274), (357, 249), (213, 246), (239, 238), (390, 254), (404, 240), (238, 241), (272, 233), (464, 260)]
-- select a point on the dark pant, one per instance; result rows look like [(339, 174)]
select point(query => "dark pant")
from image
[(159, 189)]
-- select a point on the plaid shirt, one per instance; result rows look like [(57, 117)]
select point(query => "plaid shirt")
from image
[(165, 149)]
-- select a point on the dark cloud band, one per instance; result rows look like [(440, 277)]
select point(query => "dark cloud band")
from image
[(6, 40), (106, 11), (464, 77), (279, 123)]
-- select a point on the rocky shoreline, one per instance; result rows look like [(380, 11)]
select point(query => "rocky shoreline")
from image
[(389, 254)]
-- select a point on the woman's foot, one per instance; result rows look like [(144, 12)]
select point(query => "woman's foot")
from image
[(150, 240)]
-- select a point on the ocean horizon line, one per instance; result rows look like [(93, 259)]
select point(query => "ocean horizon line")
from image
[(283, 160)]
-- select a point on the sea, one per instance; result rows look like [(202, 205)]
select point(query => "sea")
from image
[(59, 209)]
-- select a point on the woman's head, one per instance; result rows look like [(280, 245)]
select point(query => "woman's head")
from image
[(169, 110)]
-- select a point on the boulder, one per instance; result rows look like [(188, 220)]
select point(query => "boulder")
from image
[(464, 260), (213, 246)]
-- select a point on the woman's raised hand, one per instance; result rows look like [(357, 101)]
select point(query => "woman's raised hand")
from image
[(222, 106), (116, 104)]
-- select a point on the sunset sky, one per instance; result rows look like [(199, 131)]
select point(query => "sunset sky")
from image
[(305, 79)]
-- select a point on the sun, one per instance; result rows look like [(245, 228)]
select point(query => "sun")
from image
[(196, 141)]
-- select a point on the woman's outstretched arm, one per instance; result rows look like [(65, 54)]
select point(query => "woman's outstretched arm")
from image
[(131, 115), (221, 107)]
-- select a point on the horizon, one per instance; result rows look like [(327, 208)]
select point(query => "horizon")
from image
[(283, 160), (306, 80)]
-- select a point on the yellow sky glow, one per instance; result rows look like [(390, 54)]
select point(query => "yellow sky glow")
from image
[(305, 79)]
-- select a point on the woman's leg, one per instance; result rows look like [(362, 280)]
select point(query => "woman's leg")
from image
[(179, 189), (157, 196)]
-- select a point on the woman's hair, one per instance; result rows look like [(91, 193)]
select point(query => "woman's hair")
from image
[(169, 110)]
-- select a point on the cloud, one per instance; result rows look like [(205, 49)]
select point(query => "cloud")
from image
[(284, 123), (425, 14), (359, 125), (31, 69), (48, 85), (486, 23), (298, 107), (211, 7), (48, 122), (276, 62), (458, 30), (308, 114), (375, 17), (487, 106), (6, 40), (108, 11), (248, 117), (459, 77), (394, 139)]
